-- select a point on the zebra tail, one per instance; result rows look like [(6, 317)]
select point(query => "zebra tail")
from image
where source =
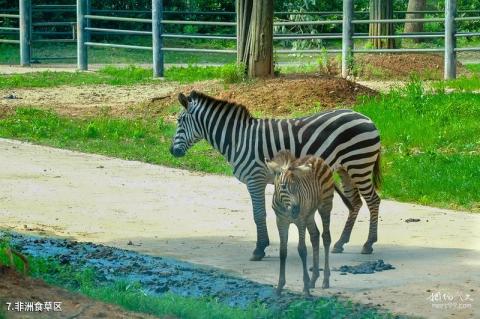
[(377, 172), (344, 198)]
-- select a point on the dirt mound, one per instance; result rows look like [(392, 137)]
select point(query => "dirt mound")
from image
[(280, 96), (15, 287), (285, 95), (401, 66)]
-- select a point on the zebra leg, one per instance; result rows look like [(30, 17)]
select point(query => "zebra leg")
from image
[(256, 188), (351, 192), (302, 252), (373, 203), (314, 239), (325, 212), (282, 226)]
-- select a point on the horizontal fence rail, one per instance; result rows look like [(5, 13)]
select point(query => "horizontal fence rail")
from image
[(158, 19)]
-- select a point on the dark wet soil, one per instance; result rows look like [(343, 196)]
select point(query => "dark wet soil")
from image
[(160, 275), (157, 275), (368, 267)]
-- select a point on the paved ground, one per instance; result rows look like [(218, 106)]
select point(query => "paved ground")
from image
[(206, 219)]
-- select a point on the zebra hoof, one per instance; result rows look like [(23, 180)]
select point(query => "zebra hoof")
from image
[(278, 291), (337, 250), (257, 256), (367, 250)]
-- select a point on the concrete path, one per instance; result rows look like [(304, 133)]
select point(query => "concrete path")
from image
[(206, 219)]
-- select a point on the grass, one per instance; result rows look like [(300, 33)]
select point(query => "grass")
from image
[(430, 142), (431, 146), (130, 296), (464, 83), (143, 140), (9, 54), (112, 75)]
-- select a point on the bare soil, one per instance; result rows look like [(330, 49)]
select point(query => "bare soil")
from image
[(16, 287), (402, 66), (272, 97), (191, 216), (394, 66)]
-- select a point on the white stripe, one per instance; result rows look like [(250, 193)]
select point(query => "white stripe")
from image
[(234, 134), (356, 139), (280, 135), (292, 140), (302, 130), (222, 111), (318, 131), (224, 133), (272, 138), (334, 135)]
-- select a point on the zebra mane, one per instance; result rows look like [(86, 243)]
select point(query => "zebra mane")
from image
[(223, 103)]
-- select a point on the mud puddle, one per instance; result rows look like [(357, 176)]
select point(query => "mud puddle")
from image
[(156, 275)]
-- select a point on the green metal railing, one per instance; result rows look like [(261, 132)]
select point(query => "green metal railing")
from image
[(82, 31)]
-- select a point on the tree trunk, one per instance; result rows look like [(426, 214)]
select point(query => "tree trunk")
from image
[(415, 5), (255, 36), (381, 9)]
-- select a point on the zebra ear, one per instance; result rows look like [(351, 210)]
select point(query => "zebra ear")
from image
[(183, 100), (273, 166)]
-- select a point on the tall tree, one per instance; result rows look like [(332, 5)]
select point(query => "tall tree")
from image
[(255, 36), (413, 6), (381, 9)]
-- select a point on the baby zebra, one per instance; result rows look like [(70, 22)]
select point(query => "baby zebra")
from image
[(302, 186)]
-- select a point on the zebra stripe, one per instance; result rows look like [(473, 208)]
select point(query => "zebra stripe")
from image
[(346, 140)]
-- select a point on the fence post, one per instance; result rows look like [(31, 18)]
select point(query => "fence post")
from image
[(157, 40), (82, 54), (347, 34), (25, 31), (450, 71), (88, 10)]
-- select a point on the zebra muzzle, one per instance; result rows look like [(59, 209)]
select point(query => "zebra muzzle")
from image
[(177, 152)]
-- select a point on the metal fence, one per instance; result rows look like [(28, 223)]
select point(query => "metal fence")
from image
[(156, 21)]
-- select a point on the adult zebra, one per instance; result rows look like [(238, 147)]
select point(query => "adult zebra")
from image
[(348, 141)]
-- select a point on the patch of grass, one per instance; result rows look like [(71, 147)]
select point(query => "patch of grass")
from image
[(9, 54), (107, 75), (229, 73), (130, 296), (431, 146), (475, 68), (111, 75), (463, 83), (143, 140)]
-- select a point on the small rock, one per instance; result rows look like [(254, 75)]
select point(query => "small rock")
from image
[(130, 243), (412, 220), (11, 97)]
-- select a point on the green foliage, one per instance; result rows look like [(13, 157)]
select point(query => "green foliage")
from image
[(234, 73), (193, 73), (463, 83), (121, 76), (430, 145), (138, 139)]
